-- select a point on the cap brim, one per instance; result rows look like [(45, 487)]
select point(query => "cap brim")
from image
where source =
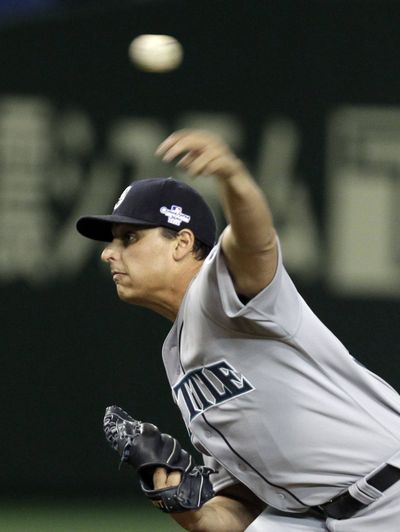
[(100, 227)]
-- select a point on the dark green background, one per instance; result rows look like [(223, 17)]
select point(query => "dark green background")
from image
[(70, 348)]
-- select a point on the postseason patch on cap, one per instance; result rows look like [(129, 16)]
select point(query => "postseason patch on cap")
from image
[(175, 215)]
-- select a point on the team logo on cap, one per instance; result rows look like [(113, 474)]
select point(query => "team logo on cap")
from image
[(175, 215), (122, 197)]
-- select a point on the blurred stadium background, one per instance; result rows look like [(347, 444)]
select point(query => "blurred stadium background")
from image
[(307, 91)]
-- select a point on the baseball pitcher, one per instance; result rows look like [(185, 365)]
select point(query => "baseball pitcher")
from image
[(295, 433)]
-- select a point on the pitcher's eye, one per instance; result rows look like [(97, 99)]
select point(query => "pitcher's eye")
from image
[(129, 238)]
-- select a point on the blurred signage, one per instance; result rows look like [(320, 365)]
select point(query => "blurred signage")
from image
[(51, 172)]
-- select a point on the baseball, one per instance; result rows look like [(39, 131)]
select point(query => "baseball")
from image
[(156, 53)]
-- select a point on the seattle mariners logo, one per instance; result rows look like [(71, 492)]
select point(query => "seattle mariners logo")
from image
[(175, 215), (209, 386)]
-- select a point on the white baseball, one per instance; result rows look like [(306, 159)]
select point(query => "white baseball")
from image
[(156, 53)]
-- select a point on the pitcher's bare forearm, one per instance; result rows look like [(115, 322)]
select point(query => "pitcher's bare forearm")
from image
[(249, 242), (220, 514), (247, 211)]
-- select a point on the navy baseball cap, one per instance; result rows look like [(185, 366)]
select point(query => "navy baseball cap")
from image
[(155, 202)]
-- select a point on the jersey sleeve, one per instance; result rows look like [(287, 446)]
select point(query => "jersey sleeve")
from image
[(221, 479), (276, 308)]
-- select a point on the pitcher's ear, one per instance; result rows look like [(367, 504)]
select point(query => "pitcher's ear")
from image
[(184, 243)]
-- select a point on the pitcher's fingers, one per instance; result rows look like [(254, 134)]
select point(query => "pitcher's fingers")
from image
[(171, 140), (189, 143), (174, 478), (160, 478), (188, 159), (183, 146), (201, 165)]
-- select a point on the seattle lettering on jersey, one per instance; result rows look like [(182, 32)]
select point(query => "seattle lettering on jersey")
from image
[(209, 386)]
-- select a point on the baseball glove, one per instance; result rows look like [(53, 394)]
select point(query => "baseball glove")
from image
[(144, 447)]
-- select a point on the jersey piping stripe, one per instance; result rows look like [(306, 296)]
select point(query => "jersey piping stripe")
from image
[(248, 463)]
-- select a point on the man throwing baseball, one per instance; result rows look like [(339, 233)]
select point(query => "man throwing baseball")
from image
[(295, 433)]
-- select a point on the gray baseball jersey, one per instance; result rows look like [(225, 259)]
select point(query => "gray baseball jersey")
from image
[(272, 395)]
